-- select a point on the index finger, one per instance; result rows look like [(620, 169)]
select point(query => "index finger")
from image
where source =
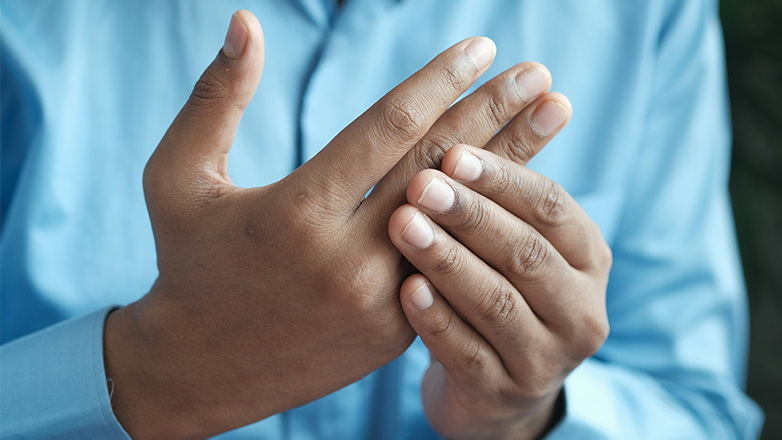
[(359, 156)]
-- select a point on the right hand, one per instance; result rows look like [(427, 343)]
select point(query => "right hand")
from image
[(269, 298)]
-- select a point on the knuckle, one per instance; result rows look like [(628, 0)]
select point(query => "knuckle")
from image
[(306, 213), (429, 152), (519, 147), (450, 262), (597, 330), (528, 256), (359, 287), (401, 118), (504, 183), (551, 205), (472, 357), (499, 306), (509, 394), (543, 374), (153, 180), (363, 282), (471, 216), (455, 76), (441, 326), (497, 107), (606, 256), (364, 293), (207, 89), (487, 395), (537, 387), (303, 228), (588, 335)]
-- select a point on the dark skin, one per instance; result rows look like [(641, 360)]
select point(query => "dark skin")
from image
[(272, 297)]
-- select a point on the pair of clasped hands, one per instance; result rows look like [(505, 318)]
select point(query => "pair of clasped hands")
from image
[(272, 297)]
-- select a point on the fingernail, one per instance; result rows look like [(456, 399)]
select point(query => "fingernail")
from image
[(438, 196), (530, 83), (468, 168), (422, 298), (481, 52), (235, 39), (418, 233), (547, 118)]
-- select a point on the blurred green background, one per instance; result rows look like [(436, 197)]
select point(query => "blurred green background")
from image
[(753, 38)]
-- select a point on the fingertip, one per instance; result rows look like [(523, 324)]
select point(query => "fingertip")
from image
[(532, 81), (481, 51), (244, 32), (539, 66), (448, 164), (249, 20), (562, 100), (233, 76), (463, 163), (550, 115), (417, 293), (418, 183), (236, 38), (399, 219), (255, 38)]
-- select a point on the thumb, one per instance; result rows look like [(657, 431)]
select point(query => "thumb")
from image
[(195, 148)]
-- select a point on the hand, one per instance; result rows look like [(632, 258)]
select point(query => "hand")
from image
[(271, 297), (511, 294)]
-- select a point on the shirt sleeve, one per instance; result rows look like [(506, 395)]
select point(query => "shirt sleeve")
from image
[(674, 364), (53, 383)]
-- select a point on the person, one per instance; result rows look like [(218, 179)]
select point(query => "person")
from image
[(285, 303)]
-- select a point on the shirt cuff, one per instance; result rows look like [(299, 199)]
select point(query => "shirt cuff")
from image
[(54, 383), (604, 401), (588, 410)]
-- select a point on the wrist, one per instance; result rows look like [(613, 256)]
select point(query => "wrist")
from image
[(552, 414), (145, 403), (539, 421)]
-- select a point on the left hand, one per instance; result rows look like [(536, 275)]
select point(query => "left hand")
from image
[(511, 294)]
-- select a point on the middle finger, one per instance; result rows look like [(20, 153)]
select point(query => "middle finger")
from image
[(474, 121)]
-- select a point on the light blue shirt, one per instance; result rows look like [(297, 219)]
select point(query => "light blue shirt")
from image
[(89, 88)]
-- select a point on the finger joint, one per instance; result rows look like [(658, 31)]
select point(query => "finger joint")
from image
[(551, 210), (450, 262), (518, 146), (472, 357), (402, 118), (429, 152), (497, 108), (594, 332), (471, 218), (456, 77), (441, 326), (499, 306), (207, 89), (527, 257)]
